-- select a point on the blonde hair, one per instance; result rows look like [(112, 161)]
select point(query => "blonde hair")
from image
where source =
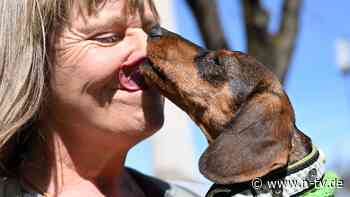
[(24, 72)]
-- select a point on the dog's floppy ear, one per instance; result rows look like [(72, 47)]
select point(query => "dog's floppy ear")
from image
[(256, 142)]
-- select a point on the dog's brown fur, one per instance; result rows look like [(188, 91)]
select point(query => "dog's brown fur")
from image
[(235, 100)]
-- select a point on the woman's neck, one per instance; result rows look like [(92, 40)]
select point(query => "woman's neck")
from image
[(66, 162)]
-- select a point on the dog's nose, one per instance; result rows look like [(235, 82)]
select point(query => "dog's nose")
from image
[(156, 31)]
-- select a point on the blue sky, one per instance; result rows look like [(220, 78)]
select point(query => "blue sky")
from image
[(320, 94)]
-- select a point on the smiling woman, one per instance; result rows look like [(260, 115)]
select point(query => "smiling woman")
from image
[(73, 102)]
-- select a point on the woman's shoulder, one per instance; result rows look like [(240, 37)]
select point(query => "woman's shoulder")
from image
[(156, 187)]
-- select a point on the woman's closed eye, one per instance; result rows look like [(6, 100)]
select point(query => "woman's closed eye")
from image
[(108, 38)]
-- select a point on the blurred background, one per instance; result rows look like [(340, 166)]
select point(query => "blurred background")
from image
[(306, 44)]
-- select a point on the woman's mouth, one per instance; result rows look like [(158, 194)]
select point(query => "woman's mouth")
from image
[(130, 78)]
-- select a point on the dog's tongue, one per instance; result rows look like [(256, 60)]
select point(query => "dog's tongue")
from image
[(131, 79)]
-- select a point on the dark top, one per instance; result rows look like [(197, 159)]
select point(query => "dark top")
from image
[(151, 186)]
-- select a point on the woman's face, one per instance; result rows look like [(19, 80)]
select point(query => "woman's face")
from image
[(95, 81)]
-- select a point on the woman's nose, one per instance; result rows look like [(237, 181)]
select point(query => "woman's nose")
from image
[(138, 38)]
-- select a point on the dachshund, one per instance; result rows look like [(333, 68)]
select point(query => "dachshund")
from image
[(239, 105)]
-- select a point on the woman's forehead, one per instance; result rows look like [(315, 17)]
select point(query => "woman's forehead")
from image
[(93, 6), (110, 13), (88, 8)]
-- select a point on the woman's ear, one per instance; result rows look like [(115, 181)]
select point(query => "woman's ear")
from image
[(256, 142)]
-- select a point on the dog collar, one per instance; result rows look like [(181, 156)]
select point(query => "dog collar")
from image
[(296, 179)]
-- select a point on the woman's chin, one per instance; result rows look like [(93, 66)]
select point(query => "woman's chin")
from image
[(135, 113)]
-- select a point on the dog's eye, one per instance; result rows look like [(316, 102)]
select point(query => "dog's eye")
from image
[(216, 60), (207, 56), (210, 69)]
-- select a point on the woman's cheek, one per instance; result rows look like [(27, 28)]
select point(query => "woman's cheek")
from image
[(111, 57)]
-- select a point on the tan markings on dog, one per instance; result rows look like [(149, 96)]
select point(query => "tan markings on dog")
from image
[(219, 111)]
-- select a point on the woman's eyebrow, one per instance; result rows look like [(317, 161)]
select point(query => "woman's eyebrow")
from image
[(92, 25)]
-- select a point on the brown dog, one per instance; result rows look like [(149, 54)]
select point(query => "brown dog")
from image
[(237, 102)]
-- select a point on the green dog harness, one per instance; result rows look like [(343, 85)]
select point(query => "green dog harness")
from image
[(327, 187)]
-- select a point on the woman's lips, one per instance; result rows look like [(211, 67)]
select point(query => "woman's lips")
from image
[(130, 78)]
